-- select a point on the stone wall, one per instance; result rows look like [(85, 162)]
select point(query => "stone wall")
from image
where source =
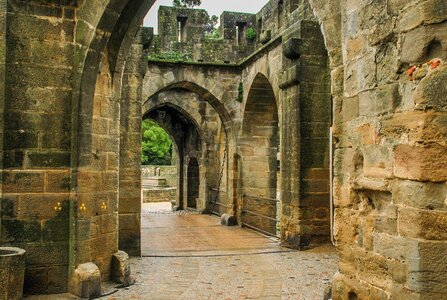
[(35, 133), (383, 134), (182, 37), (168, 172), (155, 195), (68, 104)]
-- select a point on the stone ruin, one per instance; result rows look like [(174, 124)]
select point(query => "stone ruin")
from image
[(76, 83)]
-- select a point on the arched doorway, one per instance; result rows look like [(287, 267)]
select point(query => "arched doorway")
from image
[(193, 186), (258, 150), (187, 136)]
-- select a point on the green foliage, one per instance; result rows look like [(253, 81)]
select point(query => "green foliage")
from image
[(240, 92), (173, 56), (186, 3), (210, 25), (214, 34), (250, 34), (156, 145)]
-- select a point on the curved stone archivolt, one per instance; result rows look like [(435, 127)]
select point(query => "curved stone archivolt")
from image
[(372, 70), (213, 132)]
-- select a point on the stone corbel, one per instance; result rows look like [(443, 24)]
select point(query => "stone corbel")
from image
[(291, 48)]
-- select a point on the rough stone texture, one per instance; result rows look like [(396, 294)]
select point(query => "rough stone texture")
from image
[(121, 269), (167, 172), (159, 195), (86, 281), (255, 276), (70, 111), (191, 43), (12, 272)]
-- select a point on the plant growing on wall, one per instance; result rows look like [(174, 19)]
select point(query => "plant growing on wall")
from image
[(156, 145), (172, 56), (250, 34), (240, 92)]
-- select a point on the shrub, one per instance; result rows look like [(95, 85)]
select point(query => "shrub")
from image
[(250, 34)]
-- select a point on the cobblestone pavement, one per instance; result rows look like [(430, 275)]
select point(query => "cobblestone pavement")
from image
[(205, 261), (287, 275)]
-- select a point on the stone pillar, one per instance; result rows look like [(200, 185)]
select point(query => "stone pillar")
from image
[(130, 153), (35, 107)]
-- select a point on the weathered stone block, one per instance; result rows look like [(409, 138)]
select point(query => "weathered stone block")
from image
[(121, 269), (378, 161), (265, 36), (431, 11), (416, 43), (423, 195), (432, 91), (394, 247), (291, 48), (427, 272), (86, 281), (228, 220), (22, 182), (20, 231), (426, 163), (425, 224), (378, 101)]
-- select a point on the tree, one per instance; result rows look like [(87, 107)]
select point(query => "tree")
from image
[(156, 145), (186, 3), (211, 22), (210, 25)]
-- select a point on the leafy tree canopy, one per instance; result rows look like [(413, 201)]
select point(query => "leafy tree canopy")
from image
[(156, 145), (186, 3), (212, 20)]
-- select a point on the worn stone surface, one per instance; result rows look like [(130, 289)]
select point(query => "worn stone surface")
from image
[(121, 272), (12, 272), (75, 87), (87, 281)]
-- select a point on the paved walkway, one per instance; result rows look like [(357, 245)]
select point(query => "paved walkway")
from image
[(200, 235), (193, 257)]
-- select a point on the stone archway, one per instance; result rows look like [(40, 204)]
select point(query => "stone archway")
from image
[(189, 140), (258, 149)]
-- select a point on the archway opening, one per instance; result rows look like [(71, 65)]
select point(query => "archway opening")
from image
[(185, 134), (260, 207), (159, 168)]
